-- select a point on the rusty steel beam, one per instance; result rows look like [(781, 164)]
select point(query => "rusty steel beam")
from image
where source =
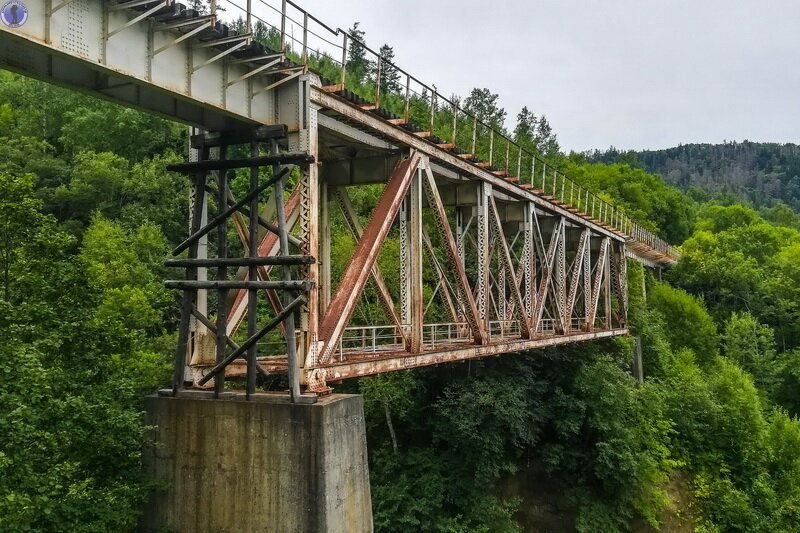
[(415, 311), (366, 253), (505, 258), (369, 365), (447, 289), (479, 333), (547, 262), (574, 278), (354, 226), (599, 274), (269, 245)]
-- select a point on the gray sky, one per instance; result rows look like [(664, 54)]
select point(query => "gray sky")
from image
[(633, 74)]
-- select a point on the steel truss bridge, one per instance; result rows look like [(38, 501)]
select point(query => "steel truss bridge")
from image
[(517, 255)]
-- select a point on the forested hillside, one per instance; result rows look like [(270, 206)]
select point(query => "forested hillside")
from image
[(762, 174), (561, 439)]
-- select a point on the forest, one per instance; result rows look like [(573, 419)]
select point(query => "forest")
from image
[(760, 174), (561, 439)]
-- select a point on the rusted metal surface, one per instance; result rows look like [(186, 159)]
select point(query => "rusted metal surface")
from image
[(355, 276), (364, 366)]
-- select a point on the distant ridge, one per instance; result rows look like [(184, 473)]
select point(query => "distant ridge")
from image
[(762, 174)]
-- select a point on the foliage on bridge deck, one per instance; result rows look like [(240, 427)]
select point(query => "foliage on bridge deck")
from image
[(564, 438)]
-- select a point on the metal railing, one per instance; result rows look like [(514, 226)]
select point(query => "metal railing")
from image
[(445, 333), (348, 63), (504, 329), (370, 339)]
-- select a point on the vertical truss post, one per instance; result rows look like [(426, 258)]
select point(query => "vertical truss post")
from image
[(561, 274), (283, 238), (189, 296), (587, 281), (607, 289), (622, 284), (222, 274), (310, 317), (502, 301), (404, 222), (252, 272), (414, 236), (528, 260), (460, 236), (324, 246), (482, 267)]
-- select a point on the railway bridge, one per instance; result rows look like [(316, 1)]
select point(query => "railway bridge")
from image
[(463, 243)]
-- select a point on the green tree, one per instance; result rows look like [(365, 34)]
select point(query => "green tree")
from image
[(690, 325), (358, 64)]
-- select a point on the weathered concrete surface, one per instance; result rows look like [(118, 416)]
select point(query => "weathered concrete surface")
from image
[(258, 466)]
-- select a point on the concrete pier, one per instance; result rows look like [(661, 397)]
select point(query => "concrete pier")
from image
[(263, 465)]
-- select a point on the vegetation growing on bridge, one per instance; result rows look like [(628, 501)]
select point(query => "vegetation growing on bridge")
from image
[(87, 214)]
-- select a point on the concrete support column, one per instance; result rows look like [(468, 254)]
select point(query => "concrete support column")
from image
[(259, 465)]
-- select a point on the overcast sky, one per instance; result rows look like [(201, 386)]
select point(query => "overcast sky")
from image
[(633, 74)]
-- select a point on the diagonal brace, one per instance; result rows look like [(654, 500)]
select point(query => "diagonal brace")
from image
[(357, 272)]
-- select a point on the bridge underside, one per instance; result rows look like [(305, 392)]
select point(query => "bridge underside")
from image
[(406, 252)]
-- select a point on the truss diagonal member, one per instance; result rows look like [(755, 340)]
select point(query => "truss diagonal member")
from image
[(599, 273), (269, 245), (505, 258), (352, 223), (230, 210), (479, 334), (547, 270), (575, 276), (357, 272), (587, 282), (622, 282), (447, 289)]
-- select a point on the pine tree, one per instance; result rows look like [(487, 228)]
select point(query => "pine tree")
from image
[(388, 72), (525, 130), (484, 104), (357, 63)]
